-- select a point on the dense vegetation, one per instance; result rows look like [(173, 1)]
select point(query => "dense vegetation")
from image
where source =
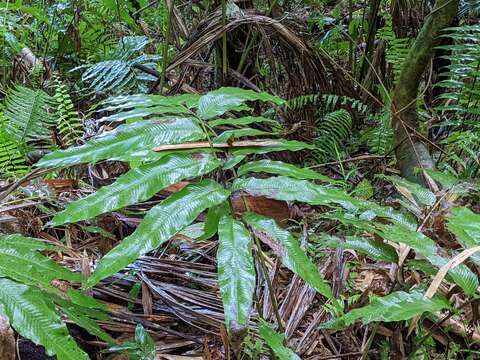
[(242, 179)]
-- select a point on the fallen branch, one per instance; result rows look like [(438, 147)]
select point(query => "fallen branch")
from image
[(206, 144)]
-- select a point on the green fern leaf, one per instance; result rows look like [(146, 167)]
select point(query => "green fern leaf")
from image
[(236, 271), (139, 184), (228, 135), (160, 224), (126, 140), (397, 306), (217, 102), (29, 116), (288, 248), (376, 250), (21, 261), (289, 189), (422, 195), (281, 168), (333, 131), (34, 317)]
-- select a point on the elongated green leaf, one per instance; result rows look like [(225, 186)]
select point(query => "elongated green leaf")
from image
[(126, 140), (289, 189), (425, 246), (34, 317), (144, 101), (217, 102), (275, 342), (281, 168), (376, 250), (422, 195), (160, 224), (246, 120), (83, 317), (24, 264), (238, 133), (288, 248), (236, 271), (465, 224), (27, 243), (139, 184), (417, 241), (397, 306)]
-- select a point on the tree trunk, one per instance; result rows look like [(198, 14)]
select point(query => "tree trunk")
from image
[(411, 152)]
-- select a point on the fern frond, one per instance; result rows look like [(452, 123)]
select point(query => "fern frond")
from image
[(379, 138), (397, 48), (334, 129), (69, 125), (12, 161), (29, 116), (329, 102), (117, 73)]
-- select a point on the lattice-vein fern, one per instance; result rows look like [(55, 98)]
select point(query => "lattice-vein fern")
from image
[(29, 116)]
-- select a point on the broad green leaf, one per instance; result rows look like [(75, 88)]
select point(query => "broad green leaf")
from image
[(275, 342), (34, 317), (127, 139), (227, 135), (288, 248), (246, 120), (161, 223), (144, 101), (465, 224), (138, 184), (217, 102), (281, 168), (422, 195), (26, 265), (289, 189), (236, 271), (417, 241), (376, 250), (397, 306), (446, 180)]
